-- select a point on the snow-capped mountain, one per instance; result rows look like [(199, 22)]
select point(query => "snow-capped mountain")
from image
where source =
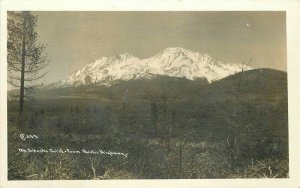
[(173, 62)]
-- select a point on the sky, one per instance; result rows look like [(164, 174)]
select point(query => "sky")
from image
[(75, 39)]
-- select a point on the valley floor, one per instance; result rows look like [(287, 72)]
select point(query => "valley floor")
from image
[(143, 140)]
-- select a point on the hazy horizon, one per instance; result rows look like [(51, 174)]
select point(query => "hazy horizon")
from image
[(75, 39)]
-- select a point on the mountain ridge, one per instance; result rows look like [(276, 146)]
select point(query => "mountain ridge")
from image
[(262, 84), (173, 62)]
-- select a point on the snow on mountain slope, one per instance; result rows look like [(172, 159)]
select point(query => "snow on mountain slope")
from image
[(173, 62)]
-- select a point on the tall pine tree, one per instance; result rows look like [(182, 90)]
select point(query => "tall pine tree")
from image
[(25, 55)]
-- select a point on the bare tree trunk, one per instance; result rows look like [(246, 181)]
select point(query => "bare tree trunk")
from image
[(21, 101)]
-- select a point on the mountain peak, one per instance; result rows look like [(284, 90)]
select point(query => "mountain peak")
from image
[(172, 62), (177, 50), (174, 49)]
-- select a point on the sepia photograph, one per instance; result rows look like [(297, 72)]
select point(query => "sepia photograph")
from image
[(101, 95)]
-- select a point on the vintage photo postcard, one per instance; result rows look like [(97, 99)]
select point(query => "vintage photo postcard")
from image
[(193, 96)]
